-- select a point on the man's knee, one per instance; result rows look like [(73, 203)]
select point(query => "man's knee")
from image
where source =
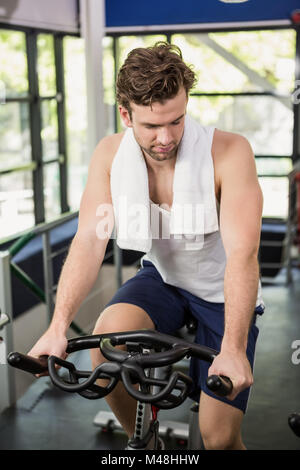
[(122, 317), (220, 424), (221, 439), (119, 317)]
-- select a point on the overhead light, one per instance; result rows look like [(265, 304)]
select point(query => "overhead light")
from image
[(233, 1)]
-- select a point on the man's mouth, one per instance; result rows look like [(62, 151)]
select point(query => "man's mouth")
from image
[(167, 149)]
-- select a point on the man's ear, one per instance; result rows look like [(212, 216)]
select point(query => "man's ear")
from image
[(125, 116)]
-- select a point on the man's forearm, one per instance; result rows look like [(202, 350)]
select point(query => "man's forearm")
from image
[(240, 291), (78, 276)]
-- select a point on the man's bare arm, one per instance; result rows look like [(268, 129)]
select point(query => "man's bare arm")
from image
[(85, 256), (240, 226)]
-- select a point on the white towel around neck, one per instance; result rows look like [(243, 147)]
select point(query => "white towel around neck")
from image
[(193, 189)]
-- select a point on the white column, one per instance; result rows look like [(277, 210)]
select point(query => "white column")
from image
[(92, 26), (7, 373)]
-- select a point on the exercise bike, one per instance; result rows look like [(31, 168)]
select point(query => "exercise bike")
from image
[(146, 370)]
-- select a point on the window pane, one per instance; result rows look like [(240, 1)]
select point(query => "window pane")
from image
[(274, 166), (51, 191), (275, 192), (16, 203), (49, 131), (108, 84), (270, 54), (15, 146), (76, 118), (46, 65), (241, 61), (13, 70), (266, 122)]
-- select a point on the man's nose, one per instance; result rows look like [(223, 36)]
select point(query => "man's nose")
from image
[(164, 136)]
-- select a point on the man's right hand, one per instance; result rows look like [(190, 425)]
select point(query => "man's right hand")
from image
[(51, 343)]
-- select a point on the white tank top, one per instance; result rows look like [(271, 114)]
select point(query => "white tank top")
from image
[(199, 271)]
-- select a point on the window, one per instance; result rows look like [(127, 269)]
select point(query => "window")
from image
[(16, 184), (41, 123), (76, 118)]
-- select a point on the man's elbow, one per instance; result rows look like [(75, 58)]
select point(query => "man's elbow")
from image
[(244, 255), (88, 240)]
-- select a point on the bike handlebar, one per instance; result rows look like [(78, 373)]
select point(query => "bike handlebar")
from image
[(128, 366)]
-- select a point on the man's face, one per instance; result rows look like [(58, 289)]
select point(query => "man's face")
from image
[(158, 130)]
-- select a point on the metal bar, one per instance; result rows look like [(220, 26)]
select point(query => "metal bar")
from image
[(272, 175), (7, 374), (245, 93), (296, 107), (18, 99), (60, 159), (289, 237), (118, 263), (59, 252), (40, 228), (272, 243), (20, 243), (273, 156), (29, 166), (26, 29), (116, 54), (61, 117), (272, 265), (48, 274), (35, 128), (196, 27), (56, 97)]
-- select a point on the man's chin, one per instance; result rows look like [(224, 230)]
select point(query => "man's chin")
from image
[(161, 156)]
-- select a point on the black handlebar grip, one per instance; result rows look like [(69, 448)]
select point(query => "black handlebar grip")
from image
[(220, 385), (28, 363), (294, 422)]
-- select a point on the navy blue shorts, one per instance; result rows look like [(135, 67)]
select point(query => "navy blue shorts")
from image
[(169, 307)]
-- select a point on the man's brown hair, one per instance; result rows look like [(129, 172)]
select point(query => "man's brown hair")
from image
[(153, 74)]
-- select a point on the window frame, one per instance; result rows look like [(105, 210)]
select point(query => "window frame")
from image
[(34, 100)]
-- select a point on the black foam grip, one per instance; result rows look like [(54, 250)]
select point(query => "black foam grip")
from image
[(28, 363), (219, 384)]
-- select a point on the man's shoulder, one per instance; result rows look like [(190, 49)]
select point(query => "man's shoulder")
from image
[(230, 151), (227, 147), (226, 143), (107, 148)]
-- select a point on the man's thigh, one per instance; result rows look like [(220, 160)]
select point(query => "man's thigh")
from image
[(123, 317), (210, 333), (146, 290)]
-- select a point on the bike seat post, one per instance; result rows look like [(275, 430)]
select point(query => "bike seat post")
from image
[(195, 440), (145, 435)]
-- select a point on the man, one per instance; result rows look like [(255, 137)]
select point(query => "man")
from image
[(212, 271)]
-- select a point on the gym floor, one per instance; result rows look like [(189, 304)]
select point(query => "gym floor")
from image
[(45, 418)]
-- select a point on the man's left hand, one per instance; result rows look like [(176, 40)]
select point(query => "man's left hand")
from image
[(235, 365)]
